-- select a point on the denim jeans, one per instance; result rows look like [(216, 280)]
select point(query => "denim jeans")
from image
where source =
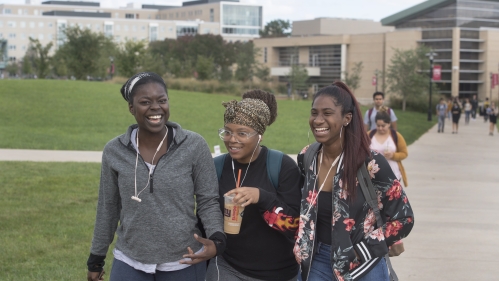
[(321, 269), (123, 272), (441, 123), (467, 117)]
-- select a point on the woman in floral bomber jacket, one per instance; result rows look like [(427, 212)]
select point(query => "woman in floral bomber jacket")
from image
[(334, 211)]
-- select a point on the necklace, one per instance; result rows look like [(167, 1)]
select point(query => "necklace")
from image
[(312, 202), (136, 196), (246, 172)]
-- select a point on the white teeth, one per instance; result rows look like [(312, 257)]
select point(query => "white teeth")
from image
[(155, 117), (321, 129)]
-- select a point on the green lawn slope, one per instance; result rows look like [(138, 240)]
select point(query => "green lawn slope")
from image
[(77, 115)]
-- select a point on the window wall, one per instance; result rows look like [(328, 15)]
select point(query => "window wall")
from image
[(241, 19)]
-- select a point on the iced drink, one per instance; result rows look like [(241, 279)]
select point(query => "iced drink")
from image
[(233, 215)]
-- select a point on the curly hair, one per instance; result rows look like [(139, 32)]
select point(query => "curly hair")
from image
[(267, 98)]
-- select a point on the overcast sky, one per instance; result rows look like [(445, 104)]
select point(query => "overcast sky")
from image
[(295, 9)]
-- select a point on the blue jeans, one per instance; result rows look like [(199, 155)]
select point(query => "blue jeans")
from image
[(123, 272), (321, 269)]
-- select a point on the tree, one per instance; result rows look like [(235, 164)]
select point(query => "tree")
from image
[(27, 65), (263, 73), (298, 77), (41, 59), (406, 76), (12, 69), (352, 79), (245, 60), (276, 28), (130, 57), (204, 67), (87, 53)]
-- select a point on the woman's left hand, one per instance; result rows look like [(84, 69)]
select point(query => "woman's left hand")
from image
[(388, 155), (245, 195), (208, 252)]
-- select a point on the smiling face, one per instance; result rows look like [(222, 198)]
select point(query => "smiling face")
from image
[(150, 107), (326, 120), (239, 147)]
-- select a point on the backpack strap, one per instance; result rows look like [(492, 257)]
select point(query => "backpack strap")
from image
[(370, 112), (274, 161), (372, 133), (219, 164), (372, 199), (394, 137), (309, 155)]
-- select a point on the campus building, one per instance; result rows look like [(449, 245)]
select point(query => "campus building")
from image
[(46, 22), (463, 33)]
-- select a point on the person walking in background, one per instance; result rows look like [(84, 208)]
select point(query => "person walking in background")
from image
[(379, 99), (154, 190), (486, 105), (442, 114), (474, 107), (456, 114), (263, 248), (338, 238), (449, 106), (467, 111), (390, 144), (492, 113)]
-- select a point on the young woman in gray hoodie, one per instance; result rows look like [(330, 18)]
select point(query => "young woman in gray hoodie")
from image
[(153, 179)]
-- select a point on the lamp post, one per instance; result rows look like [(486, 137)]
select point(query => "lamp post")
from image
[(430, 55)]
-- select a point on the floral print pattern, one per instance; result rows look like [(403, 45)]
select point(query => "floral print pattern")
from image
[(353, 221)]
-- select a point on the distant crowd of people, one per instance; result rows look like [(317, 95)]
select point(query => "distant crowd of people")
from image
[(453, 108)]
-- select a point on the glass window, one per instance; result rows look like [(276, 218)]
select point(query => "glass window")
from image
[(40, 36), (129, 16), (50, 37), (265, 54), (186, 31), (49, 24), (32, 24), (22, 24), (241, 15), (12, 35), (11, 24), (108, 29), (23, 36), (40, 24), (241, 31), (134, 28), (117, 27), (125, 27), (153, 33), (7, 11), (12, 47), (60, 35)]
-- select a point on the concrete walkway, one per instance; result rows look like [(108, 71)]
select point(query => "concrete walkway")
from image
[(454, 191), (453, 188)]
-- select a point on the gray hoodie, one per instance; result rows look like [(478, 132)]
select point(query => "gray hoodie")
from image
[(161, 227)]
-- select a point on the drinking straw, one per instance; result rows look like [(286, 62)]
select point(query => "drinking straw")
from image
[(238, 178)]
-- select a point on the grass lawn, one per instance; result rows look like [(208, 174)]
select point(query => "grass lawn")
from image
[(47, 212), (76, 115)]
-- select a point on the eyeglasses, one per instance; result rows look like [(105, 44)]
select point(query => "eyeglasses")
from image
[(226, 135)]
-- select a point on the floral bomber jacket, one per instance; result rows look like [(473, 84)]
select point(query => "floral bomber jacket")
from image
[(354, 228)]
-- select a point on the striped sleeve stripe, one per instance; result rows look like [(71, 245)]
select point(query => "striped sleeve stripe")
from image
[(361, 269), (363, 250)]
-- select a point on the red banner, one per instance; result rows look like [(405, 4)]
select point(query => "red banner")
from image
[(437, 72), (374, 81), (495, 80)]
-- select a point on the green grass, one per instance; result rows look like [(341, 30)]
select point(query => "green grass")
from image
[(76, 115), (47, 213)]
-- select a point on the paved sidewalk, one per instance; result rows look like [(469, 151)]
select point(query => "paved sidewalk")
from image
[(453, 188), (454, 191)]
